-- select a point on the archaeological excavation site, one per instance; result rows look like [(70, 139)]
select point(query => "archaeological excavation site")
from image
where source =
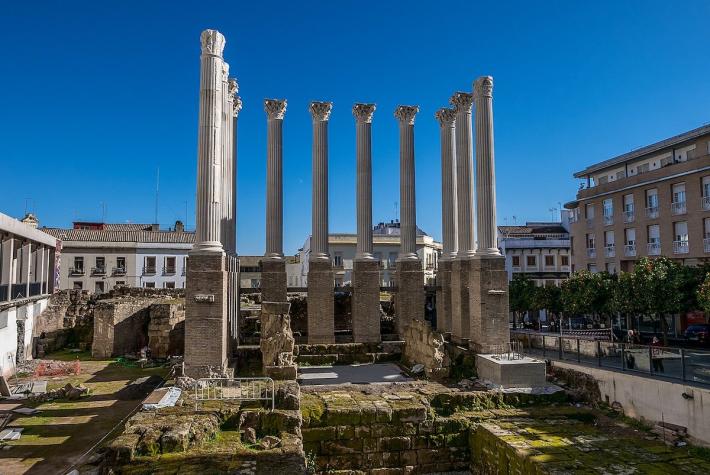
[(355, 379)]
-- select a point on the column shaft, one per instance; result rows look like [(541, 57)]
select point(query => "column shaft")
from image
[(464, 164), (408, 213), (447, 119), (227, 207), (319, 216), (363, 136), (209, 144), (275, 110)]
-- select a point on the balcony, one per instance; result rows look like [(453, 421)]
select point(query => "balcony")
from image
[(706, 203), (630, 250), (516, 268), (169, 270), (119, 271), (706, 244), (629, 216), (654, 249), (652, 212), (608, 219), (678, 207), (98, 271), (609, 250), (148, 270), (590, 223), (591, 252), (574, 216), (76, 271), (680, 247)]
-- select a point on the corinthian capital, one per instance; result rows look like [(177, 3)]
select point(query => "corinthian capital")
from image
[(320, 111), (275, 108), (212, 42), (446, 116), (406, 114), (462, 101), (363, 112), (232, 89), (483, 87), (237, 106)]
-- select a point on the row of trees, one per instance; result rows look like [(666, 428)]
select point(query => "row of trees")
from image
[(657, 288)]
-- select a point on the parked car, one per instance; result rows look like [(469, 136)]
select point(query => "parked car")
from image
[(698, 332)]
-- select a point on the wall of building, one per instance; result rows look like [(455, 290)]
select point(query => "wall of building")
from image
[(11, 340)]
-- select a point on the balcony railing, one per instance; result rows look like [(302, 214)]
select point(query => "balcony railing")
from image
[(574, 217), (169, 271), (98, 271), (609, 250), (629, 216), (516, 268), (652, 212), (608, 219), (706, 244), (680, 247), (591, 252), (678, 207), (76, 271), (119, 271), (148, 270), (653, 248), (706, 203), (630, 250)]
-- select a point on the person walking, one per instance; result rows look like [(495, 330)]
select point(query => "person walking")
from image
[(656, 355)]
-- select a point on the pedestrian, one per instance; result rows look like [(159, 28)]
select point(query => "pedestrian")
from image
[(656, 353)]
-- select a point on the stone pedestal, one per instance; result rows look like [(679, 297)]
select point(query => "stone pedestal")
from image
[(366, 301), (460, 301), (409, 300), (273, 280), (206, 329), (321, 302), (519, 373), (489, 304), (443, 296), (277, 343)]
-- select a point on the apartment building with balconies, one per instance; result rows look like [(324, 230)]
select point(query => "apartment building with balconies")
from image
[(652, 201), (99, 256), (538, 250)]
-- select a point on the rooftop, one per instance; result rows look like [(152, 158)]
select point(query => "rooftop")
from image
[(532, 228), (108, 235)]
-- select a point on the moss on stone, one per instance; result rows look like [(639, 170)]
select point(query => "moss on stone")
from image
[(312, 410)]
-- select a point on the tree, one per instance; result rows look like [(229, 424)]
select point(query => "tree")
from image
[(520, 292), (625, 298), (703, 294), (657, 283)]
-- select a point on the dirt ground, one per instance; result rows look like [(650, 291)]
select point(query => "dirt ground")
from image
[(55, 438)]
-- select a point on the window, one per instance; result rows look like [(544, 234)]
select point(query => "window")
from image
[(338, 259), (516, 261), (149, 285), (121, 263), (531, 261), (169, 285), (654, 234), (549, 261), (149, 265), (100, 262), (706, 228), (78, 285), (608, 207), (609, 238), (590, 241), (652, 198), (99, 287), (592, 268), (706, 186), (564, 260), (630, 236), (392, 258), (79, 264), (681, 231), (120, 282), (589, 209), (169, 265), (611, 267), (679, 193)]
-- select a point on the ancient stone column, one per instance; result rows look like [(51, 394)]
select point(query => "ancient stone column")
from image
[(366, 269), (461, 266), (206, 293), (447, 119), (273, 273), (228, 166), (321, 326), (489, 302), (209, 145), (409, 301)]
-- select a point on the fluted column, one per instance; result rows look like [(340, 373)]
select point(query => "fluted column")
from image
[(447, 119), (227, 227), (236, 107), (485, 168), (363, 133), (408, 214), (275, 110), (209, 145), (320, 112), (462, 102)]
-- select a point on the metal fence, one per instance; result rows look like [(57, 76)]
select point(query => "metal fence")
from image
[(234, 389), (683, 364)]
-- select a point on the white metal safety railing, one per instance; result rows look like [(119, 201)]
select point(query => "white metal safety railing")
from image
[(706, 244), (706, 202), (513, 350), (680, 247), (630, 250), (234, 389), (678, 207), (629, 215), (653, 248), (652, 212), (609, 250), (608, 219)]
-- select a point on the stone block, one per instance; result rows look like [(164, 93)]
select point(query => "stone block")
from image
[(321, 303), (366, 301), (489, 304), (460, 306), (409, 300), (273, 280), (423, 345), (281, 373), (443, 296), (523, 373), (393, 444)]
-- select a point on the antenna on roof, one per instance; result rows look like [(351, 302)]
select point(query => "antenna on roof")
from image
[(157, 194), (103, 211)]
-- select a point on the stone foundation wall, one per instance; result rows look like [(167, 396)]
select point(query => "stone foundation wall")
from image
[(120, 327), (422, 345), (166, 330), (349, 353)]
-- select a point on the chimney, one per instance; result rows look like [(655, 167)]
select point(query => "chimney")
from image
[(155, 228), (179, 227), (30, 220)]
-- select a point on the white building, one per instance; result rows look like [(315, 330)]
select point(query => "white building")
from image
[(27, 277), (385, 236), (541, 251), (98, 256)]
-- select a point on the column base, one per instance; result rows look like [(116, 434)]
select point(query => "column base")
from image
[(321, 303), (409, 300), (206, 327), (366, 301), (460, 283), (489, 304), (273, 280)]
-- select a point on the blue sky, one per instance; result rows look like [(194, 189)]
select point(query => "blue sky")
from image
[(97, 95)]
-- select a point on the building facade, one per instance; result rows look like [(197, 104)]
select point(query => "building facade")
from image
[(99, 256), (28, 258), (250, 272), (653, 201), (540, 251), (386, 245)]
